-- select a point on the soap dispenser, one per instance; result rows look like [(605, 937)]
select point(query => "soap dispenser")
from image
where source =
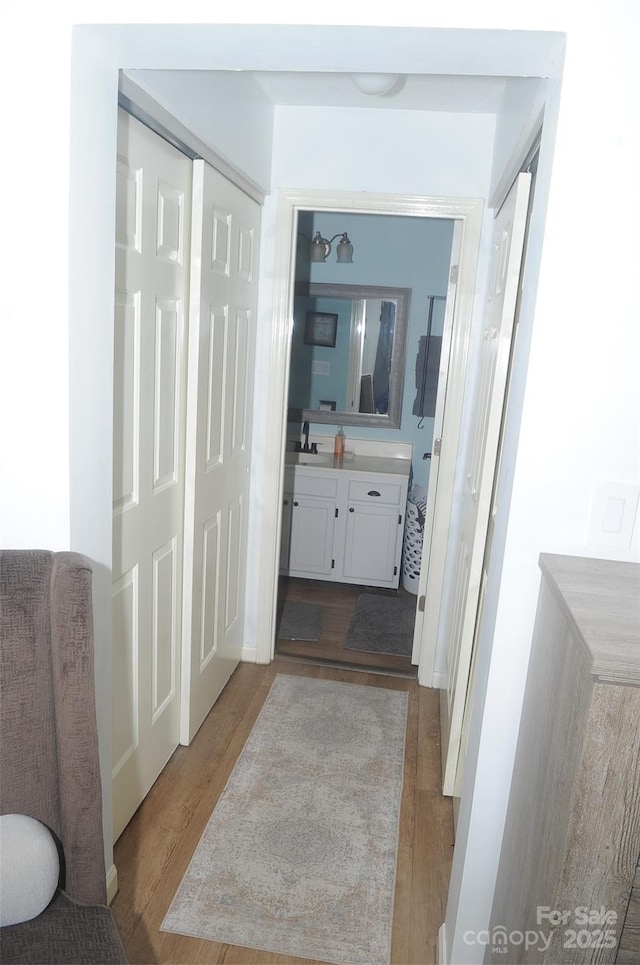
[(338, 445)]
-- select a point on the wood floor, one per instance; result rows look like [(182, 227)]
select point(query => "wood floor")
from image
[(338, 602), (152, 853)]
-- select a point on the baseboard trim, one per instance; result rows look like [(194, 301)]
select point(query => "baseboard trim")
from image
[(442, 946), (248, 655), (439, 680), (112, 883)]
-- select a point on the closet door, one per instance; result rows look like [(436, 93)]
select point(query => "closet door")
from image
[(222, 317), (152, 262), (470, 541)]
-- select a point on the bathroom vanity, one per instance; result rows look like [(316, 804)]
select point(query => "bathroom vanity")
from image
[(343, 520)]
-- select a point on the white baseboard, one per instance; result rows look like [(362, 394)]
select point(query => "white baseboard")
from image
[(439, 680), (250, 655), (112, 883), (442, 946)]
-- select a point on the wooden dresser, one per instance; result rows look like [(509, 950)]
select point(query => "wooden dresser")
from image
[(572, 837)]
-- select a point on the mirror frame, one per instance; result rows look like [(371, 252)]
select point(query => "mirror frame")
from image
[(402, 297)]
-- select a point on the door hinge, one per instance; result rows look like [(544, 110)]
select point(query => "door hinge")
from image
[(333, 563), (399, 518), (336, 512), (453, 275), (421, 602), (437, 445), (395, 571)]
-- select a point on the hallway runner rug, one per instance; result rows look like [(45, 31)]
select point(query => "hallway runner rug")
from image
[(299, 855)]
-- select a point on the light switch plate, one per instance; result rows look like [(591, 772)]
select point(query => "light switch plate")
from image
[(613, 513)]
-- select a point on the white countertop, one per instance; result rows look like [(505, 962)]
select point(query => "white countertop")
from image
[(351, 462)]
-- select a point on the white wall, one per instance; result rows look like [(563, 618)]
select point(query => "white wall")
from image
[(579, 421), (520, 116), (574, 431), (34, 394), (226, 109), (411, 152)]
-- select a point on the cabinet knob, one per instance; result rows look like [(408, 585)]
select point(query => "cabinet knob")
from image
[(351, 509), (295, 502), (373, 492)]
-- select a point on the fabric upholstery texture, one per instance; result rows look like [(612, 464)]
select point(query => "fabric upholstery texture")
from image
[(48, 731), (68, 933)]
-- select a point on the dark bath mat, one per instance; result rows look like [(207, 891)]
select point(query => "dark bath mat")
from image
[(382, 624), (299, 621)]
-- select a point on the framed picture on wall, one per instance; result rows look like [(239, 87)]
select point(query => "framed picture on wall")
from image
[(321, 329)]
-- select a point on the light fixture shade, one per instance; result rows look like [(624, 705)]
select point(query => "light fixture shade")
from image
[(374, 83), (319, 248), (344, 251)]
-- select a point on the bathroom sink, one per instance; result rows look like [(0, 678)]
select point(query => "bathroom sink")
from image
[(310, 459)]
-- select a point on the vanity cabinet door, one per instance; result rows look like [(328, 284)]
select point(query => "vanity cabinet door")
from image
[(311, 542), (373, 542)]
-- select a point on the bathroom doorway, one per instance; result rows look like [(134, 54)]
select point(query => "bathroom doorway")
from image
[(386, 329), (461, 261)]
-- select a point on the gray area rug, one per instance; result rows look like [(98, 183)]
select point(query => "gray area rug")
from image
[(299, 855), (299, 621), (382, 624)]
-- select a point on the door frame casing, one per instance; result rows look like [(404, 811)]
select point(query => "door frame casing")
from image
[(469, 211)]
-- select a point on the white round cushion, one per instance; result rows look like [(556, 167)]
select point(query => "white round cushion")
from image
[(29, 868)]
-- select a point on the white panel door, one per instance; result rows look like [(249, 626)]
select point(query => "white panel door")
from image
[(222, 315), (152, 255), (480, 461)]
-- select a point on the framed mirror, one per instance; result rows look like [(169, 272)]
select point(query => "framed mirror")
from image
[(352, 371)]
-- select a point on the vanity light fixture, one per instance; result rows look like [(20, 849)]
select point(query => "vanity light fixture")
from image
[(320, 248)]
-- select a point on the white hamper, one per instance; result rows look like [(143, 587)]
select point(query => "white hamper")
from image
[(413, 537)]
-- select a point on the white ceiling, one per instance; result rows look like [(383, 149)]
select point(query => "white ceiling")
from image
[(412, 92)]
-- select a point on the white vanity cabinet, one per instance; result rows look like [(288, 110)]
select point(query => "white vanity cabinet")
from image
[(344, 525)]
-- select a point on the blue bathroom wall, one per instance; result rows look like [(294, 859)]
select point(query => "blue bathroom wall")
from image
[(393, 251)]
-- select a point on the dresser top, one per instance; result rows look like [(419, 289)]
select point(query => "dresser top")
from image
[(601, 599)]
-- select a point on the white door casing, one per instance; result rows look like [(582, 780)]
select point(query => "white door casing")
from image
[(449, 400), (469, 542), (152, 257), (469, 213), (222, 317)]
